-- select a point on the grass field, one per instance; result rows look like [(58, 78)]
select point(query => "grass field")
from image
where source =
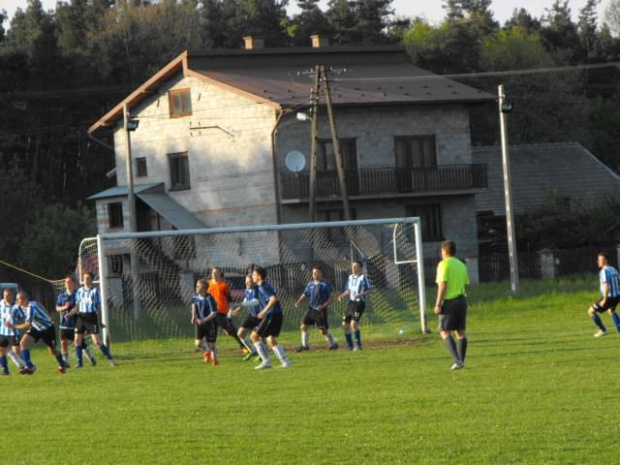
[(538, 388)]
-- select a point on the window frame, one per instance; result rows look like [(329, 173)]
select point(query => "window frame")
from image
[(172, 159), (116, 218), (432, 229), (409, 155), (183, 111), (141, 168)]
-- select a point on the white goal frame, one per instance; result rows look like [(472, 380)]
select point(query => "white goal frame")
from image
[(414, 221)]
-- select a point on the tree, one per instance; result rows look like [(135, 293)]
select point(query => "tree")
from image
[(612, 16), (521, 18), (50, 243), (372, 20), (311, 20), (559, 33), (587, 27), (342, 19)]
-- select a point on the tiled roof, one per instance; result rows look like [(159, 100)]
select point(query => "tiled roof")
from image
[(540, 172)]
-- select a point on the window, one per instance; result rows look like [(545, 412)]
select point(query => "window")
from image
[(431, 220), (179, 171), (326, 159), (180, 102), (332, 214), (141, 168), (115, 215), (415, 152)]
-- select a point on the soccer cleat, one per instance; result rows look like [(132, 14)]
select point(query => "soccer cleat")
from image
[(457, 366), (93, 361), (334, 346), (215, 362), (112, 362), (286, 364), (207, 357), (249, 356), (78, 366), (301, 348), (263, 366), (600, 333), (62, 370), (357, 348), (5, 373), (245, 350)]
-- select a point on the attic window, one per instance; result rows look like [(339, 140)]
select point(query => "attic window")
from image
[(180, 101)]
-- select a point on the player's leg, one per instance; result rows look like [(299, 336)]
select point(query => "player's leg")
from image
[(273, 331), (355, 323), (64, 345), (11, 349), (24, 346), (87, 350), (103, 348), (447, 323), (612, 312), (305, 334), (211, 335), (4, 365), (593, 311), (243, 335), (256, 337), (199, 345), (323, 324), (461, 344), (49, 338)]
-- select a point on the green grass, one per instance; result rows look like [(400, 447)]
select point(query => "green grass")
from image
[(538, 389)]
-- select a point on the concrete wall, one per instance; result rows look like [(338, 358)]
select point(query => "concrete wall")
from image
[(227, 139)]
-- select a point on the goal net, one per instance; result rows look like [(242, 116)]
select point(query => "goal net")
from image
[(147, 279)]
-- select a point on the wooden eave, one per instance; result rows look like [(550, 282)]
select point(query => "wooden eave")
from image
[(142, 92)]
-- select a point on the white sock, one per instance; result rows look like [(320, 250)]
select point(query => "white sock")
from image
[(330, 338), (247, 343), (213, 349), (16, 359), (280, 353), (305, 338), (260, 350)]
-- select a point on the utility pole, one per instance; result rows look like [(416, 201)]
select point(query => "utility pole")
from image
[(504, 109), (336, 143), (314, 144), (131, 200)]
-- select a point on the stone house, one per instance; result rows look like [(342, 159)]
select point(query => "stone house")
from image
[(215, 129)]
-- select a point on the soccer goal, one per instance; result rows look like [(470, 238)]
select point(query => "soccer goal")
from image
[(147, 279)]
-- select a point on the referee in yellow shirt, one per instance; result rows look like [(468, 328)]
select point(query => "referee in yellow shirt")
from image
[(451, 304)]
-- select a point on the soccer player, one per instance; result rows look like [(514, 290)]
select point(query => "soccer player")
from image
[(610, 292), (251, 320), (451, 304), (220, 291), (204, 311), (64, 305), (87, 305), (320, 294), (357, 289), (39, 325), (271, 322), (10, 315)]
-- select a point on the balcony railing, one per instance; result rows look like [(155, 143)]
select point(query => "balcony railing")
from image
[(387, 181)]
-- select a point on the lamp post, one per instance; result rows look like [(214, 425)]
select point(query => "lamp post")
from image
[(504, 109), (130, 125)]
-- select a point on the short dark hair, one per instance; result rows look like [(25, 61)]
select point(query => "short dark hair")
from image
[(317, 267), (261, 271), (24, 294), (218, 269), (449, 247), (71, 277), (605, 255), (204, 282), (87, 273), (359, 263)]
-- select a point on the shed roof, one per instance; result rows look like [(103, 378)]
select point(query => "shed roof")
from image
[(541, 171)]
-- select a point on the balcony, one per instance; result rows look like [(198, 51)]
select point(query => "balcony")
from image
[(388, 182)]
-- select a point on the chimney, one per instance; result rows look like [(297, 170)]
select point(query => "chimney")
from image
[(319, 41), (253, 43)]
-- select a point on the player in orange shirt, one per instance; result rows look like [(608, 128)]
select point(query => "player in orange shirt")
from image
[(220, 291)]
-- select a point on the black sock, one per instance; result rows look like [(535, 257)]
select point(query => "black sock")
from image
[(451, 345), (461, 347)]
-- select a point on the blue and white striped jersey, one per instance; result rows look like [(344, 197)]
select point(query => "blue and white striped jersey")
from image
[(265, 291), (64, 298), (13, 314), (204, 305), (356, 285), (251, 294), (318, 292), (609, 275), (37, 316), (88, 300)]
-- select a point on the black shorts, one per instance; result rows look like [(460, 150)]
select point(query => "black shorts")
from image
[(207, 330), (270, 326), (453, 315), (316, 317), (251, 322), (225, 323), (355, 310), (611, 304), (6, 341), (48, 336), (87, 323), (67, 334)]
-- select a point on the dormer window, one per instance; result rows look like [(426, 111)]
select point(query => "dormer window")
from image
[(180, 101)]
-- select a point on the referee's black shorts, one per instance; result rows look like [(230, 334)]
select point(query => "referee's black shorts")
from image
[(453, 314)]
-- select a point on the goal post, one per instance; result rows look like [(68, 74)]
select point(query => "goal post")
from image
[(170, 262)]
